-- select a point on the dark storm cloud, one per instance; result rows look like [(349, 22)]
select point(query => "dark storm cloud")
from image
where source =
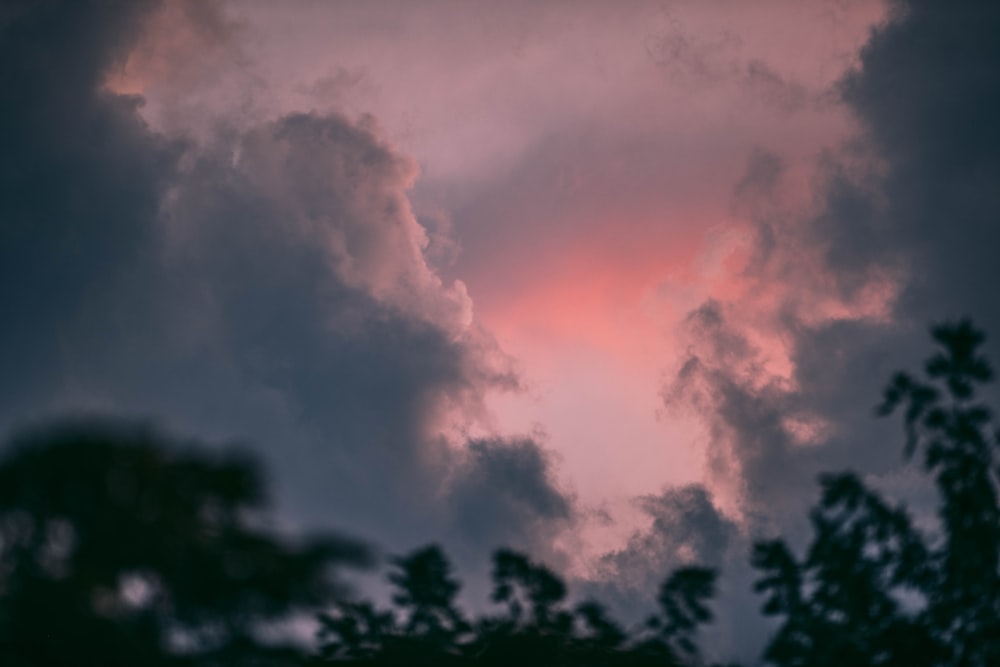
[(504, 491), (269, 285), (928, 94), (80, 181), (358, 375)]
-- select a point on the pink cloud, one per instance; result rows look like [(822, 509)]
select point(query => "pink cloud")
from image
[(586, 156)]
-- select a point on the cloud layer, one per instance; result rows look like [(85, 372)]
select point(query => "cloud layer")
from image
[(730, 216), (268, 285)]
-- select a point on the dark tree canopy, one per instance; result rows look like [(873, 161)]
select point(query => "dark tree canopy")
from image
[(871, 589), (119, 546), (535, 624)]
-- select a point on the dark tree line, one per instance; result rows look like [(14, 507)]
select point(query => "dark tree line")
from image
[(536, 624), (120, 546)]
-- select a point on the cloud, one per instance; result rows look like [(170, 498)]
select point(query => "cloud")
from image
[(80, 190), (686, 529), (270, 279), (836, 295), (267, 283), (683, 527), (926, 95), (298, 241), (700, 58), (506, 491), (178, 44)]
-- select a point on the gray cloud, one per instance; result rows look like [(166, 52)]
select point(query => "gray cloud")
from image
[(269, 285), (505, 491), (80, 188), (686, 529), (725, 377), (928, 94)]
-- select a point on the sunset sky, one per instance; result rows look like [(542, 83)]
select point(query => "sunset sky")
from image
[(610, 282)]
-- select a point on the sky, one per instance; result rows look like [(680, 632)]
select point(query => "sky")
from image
[(607, 282)]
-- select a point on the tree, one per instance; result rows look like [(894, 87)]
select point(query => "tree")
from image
[(841, 604), (872, 590), (425, 591), (121, 546), (424, 628), (535, 625), (944, 419), (683, 599)]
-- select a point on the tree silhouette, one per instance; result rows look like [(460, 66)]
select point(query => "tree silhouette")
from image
[(538, 626), (683, 601), (426, 592), (425, 628), (534, 627), (874, 591), (601, 639), (119, 546), (842, 602), (536, 622), (356, 633), (944, 419)]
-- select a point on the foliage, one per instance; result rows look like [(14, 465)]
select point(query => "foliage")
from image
[(684, 600), (872, 590), (119, 546), (534, 627)]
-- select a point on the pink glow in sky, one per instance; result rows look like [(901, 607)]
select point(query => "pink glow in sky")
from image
[(580, 168)]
